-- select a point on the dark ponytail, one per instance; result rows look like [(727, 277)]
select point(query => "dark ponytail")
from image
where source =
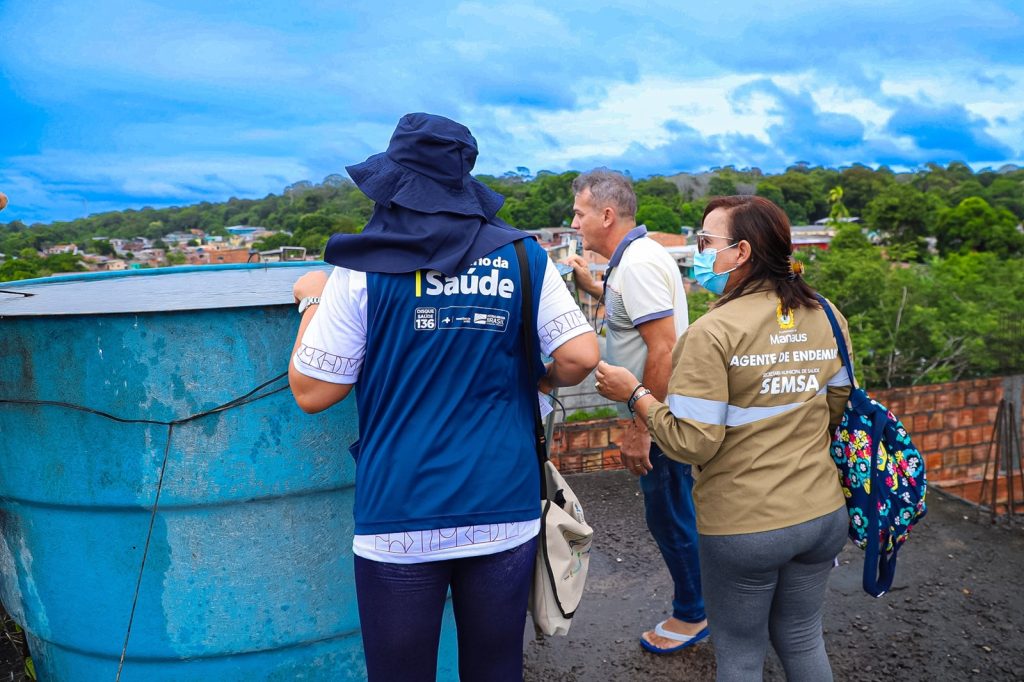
[(766, 228)]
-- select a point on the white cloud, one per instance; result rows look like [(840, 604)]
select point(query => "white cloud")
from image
[(628, 114), (62, 185), (145, 100)]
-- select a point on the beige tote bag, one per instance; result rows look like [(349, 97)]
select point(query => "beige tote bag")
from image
[(563, 556)]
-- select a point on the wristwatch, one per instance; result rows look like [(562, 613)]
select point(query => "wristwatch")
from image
[(308, 301), (639, 392)]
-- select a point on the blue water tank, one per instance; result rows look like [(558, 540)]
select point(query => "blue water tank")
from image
[(248, 558)]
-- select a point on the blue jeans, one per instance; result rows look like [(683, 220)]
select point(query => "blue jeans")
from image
[(400, 609), (668, 501)]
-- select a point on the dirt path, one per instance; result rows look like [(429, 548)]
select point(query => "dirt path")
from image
[(956, 611)]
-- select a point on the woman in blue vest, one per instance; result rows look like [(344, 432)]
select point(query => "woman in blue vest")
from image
[(423, 314)]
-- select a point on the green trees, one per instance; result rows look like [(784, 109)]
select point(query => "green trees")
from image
[(658, 217), (1008, 192), (22, 268), (336, 205), (29, 265), (922, 323), (544, 201), (771, 192), (903, 216), (975, 225), (660, 206), (721, 185), (861, 185), (916, 315), (803, 199), (103, 247), (659, 189), (61, 262), (274, 241), (905, 209)]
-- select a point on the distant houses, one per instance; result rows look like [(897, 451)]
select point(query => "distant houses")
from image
[(195, 247), (192, 247), (559, 242)]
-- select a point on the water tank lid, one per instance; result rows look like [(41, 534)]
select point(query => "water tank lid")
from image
[(202, 287)]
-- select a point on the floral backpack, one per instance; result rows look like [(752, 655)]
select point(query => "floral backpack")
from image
[(882, 475)]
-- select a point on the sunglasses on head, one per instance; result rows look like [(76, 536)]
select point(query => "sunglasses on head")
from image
[(703, 237)]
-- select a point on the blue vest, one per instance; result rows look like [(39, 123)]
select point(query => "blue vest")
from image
[(445, 411)]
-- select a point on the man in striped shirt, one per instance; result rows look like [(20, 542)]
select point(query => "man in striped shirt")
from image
[(645, 312)]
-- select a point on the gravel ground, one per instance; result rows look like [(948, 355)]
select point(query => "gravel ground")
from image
[(956, 611), (12, 665)]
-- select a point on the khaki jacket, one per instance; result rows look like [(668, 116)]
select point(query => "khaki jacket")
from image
[(752, 402)]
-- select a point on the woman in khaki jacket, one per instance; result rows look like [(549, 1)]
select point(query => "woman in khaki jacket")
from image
[(756, 391)]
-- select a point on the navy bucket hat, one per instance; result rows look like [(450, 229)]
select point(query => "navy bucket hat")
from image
[(427, 169), (429, 212)]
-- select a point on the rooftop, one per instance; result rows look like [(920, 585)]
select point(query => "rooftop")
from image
[(955, 612)]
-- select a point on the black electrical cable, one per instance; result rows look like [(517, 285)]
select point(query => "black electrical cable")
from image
[(234, 402), (250, 397)]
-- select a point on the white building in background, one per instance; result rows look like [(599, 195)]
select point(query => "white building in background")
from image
[(284, 253), (179, 237)]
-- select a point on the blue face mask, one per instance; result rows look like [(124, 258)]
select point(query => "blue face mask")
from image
[(704, 271)]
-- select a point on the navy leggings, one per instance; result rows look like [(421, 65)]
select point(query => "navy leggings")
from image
[(401, 605)]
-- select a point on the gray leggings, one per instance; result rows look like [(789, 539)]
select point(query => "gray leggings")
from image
[(771, 585)]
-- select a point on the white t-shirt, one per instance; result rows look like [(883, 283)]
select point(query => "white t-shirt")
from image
[(644, 285), (332, 349)]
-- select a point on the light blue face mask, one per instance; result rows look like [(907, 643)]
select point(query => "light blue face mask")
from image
[(704, 270)]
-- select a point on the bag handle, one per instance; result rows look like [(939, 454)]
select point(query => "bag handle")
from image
[(837, 332), (526, 295)]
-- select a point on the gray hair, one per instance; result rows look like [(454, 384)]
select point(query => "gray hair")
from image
[(608, 188)]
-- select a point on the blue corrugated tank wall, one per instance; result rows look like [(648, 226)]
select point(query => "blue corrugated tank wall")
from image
[(248, 571)]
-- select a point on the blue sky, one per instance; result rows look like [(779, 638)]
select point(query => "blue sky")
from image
[(111, 104)]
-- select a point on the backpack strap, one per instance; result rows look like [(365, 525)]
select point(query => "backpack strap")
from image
[(528, 347), (837, 332), (879, 566)]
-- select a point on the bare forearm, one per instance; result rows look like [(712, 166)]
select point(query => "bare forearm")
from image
[(659, 336), (301, 385), (565, 373), (572, 361), (594, 288), (657, 370), (312, 395)]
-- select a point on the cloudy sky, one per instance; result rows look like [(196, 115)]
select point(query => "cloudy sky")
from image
[(111, 104)]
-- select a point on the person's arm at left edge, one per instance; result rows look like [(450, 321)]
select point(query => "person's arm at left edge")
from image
[(311, 394)]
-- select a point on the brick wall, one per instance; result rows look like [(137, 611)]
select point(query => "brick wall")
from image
[(587, 446), (951, 424)]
